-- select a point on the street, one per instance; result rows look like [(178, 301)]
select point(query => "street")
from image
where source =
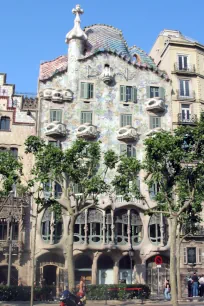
[(109, 303)]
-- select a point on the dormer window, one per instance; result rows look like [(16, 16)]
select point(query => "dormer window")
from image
[(128, 93), (87, 90)]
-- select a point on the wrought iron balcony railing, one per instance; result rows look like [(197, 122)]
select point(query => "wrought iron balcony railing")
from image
[(184, 69), (185, 96), (190, 119)]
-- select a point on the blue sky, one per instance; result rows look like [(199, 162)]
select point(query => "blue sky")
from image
[(34, 30)]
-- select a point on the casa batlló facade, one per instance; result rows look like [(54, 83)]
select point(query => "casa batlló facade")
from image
[(103, 90)]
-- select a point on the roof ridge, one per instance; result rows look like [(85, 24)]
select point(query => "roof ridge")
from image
[(53, 59)]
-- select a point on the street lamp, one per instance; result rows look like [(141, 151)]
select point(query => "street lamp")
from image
[(131, 255)]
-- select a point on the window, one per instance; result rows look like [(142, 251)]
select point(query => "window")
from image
[(15, 231), (86, 117), (87, 90), (77, 189), (127, 150), (185, 112), (54, 143), (128, 93), (183, 62), (58, 191), (56, 115), (3, 229), (51, 220), (155, 92), (154, 190), (5, 123), (158, 229), (155, 122), (191, 255), (14, 152), (3, 149), (125, 119), (184, 88)]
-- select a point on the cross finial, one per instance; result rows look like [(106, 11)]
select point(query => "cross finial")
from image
[(78, 10)]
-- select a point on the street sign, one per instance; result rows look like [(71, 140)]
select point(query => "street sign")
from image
[(158, 266), (158, 260)]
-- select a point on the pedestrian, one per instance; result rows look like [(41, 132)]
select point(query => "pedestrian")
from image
[(82, 290), (167, 290), (201, 282), (195, 284), (189, 283)]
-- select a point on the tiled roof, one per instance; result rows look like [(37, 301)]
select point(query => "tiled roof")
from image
[(103, 38), (48, 69)]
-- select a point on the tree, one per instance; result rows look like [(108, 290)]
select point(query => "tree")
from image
[(81, 165), (175, 162), (10, 172)]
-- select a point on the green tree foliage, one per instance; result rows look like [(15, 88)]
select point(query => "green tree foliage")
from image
[(82, 165), (10, 172)]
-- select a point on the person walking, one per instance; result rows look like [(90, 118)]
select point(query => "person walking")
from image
[(167, 290), (190, 289), (201, 282), (195, 284)]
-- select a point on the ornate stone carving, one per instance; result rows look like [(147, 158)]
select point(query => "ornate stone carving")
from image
[(155, 105), (107, 74), (76, 32), (47, 94), (67, 95), (87, 130), (55, 128), (127, 133), (58, 96)]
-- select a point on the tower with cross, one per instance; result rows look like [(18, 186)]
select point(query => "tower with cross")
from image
[(76, 39)]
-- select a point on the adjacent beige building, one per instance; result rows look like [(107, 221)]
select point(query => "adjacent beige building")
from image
[(17, 122), (183, 60)]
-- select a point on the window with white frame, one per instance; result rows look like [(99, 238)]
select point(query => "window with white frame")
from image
[(87, 90), (128, 93), (184, 88), (192, 255), (154, 189), (125, 119), (185, 112), (55, 115), (183, 62), (155, 122), (86, 117)]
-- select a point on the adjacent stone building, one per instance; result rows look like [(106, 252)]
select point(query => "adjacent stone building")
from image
[(17, 122), (183, 59), (103, 90)]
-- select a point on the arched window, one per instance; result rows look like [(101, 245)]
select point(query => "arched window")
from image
[(121, 227), (79, 229), (95, 226), (52, 226), (136, 227), (158, 229), (5, 123)]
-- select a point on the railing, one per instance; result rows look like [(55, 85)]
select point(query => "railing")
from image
[(188, 69), (190, 119), (185, 96), (120, 199)]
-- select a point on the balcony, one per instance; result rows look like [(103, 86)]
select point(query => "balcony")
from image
[(185, 96), (189, 69), (190, 119), (155, 105), (127, 133), (87, 131), (55, 128)]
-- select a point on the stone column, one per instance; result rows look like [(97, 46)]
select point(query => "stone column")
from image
[(94, 269), (116, 272), (162, 229), (129, 229), (104, 226), (112, 227)]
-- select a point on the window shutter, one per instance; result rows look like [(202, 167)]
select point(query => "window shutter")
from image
[(122, 120), (90, 94), (148, 91), (187, 88), (181, 88), (129, 120), (133, 151), (89, 117), (158, 124), (138, 182), (185, 260), (151, 122), (199, 256), (123, 149), (59, 115), (134, 95), (122, 93), (161, 93), (82, 90)]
